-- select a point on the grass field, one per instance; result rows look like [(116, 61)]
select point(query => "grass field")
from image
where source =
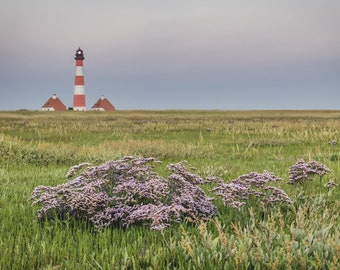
[(38, 148)]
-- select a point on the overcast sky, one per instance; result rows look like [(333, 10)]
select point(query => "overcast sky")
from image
[(172, 54)]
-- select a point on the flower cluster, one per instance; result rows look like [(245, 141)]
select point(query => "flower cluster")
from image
[(302, 171), (74, 169), (125, 191), (251, 186), (129, 191), (186, 192)]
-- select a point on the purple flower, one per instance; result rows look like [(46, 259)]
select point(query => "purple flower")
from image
[(126, 191), (251, 186), (305, 171)]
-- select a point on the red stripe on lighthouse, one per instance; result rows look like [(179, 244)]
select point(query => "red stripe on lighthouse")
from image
[(79, 80), (79, 101), (79, 62)]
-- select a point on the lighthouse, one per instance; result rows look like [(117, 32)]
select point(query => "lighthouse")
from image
[(79, 90)]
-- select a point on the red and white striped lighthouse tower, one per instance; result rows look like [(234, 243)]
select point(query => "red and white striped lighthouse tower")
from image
[(79, 90)]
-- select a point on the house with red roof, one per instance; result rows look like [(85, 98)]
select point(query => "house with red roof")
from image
[(103, 104), (54, 104)]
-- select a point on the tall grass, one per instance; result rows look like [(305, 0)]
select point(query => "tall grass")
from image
[(38, 148)]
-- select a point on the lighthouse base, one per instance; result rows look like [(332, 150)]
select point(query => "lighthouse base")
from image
[(79, 103), (79, 109)]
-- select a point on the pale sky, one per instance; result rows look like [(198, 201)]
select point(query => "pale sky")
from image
[(172, 54)]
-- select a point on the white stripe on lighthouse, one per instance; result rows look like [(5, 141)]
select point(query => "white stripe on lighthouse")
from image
[(79, 71), (79, 90)]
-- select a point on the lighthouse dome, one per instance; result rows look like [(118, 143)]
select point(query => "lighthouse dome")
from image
[(79, 54)]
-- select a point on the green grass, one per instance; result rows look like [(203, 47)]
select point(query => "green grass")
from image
[(37, 148)]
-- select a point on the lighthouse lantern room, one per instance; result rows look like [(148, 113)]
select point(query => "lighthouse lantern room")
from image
[(79, 82)]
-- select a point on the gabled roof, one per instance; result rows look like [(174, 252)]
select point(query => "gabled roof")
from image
[(55, 103), (104, 104)]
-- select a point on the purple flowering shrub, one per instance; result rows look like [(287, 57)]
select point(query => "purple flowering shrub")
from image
[(125, 191), (302, 171), (248, 187), (129, 191)]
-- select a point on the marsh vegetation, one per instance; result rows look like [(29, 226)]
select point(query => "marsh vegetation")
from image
[(38, 149)]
